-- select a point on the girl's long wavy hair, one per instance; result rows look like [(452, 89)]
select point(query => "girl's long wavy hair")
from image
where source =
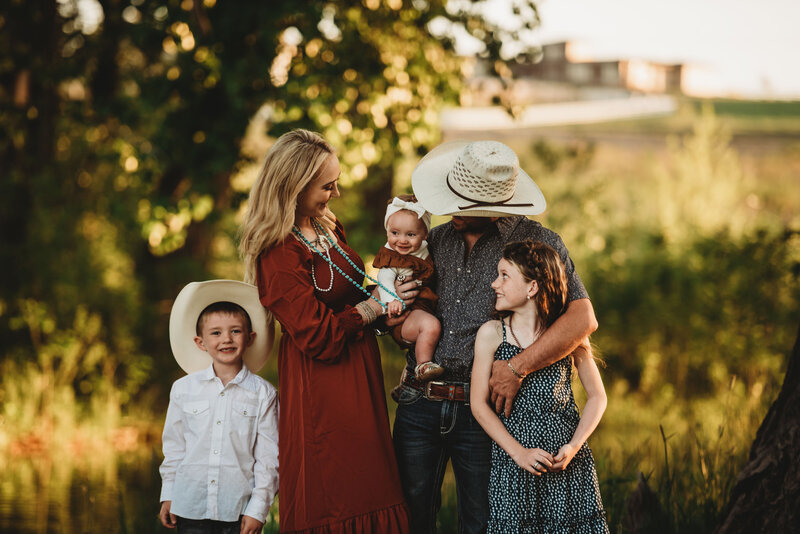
[(538, 261), (291, 164)]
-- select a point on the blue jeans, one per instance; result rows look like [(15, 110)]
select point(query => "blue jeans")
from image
[(428, 433)]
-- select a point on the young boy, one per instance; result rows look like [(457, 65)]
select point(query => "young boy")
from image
[(220, 441)]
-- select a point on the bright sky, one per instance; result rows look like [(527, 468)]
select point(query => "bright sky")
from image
[(738, 47)]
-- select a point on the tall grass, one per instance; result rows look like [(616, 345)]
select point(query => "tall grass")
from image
[(66, 394)]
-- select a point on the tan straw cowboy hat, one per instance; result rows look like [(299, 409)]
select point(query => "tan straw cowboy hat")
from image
[(475, 179), (193, 299)]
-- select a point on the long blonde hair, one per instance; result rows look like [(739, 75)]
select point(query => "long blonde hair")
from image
[(290, 165)]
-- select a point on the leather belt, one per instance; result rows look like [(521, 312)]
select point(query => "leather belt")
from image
[(447, 391), (438, 391)]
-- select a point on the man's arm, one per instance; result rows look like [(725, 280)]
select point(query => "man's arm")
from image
[(557, 342)]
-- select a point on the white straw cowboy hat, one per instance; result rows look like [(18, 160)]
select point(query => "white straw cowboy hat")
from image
[(477, 179), (193, 299)]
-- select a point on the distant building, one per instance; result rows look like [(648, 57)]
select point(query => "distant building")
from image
[(563, 74), (561, 62)]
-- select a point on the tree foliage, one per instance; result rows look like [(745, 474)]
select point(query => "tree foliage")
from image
[(130, 131)]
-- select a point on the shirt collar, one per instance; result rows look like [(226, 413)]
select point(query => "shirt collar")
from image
[(506, 225), (239, 378), (209, 374)]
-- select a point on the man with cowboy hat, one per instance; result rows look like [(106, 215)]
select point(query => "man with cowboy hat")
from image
[(482, 187)]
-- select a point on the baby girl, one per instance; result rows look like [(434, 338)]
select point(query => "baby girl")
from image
[(405, 257)]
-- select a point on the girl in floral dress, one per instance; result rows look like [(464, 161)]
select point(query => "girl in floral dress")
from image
[(543, 478)]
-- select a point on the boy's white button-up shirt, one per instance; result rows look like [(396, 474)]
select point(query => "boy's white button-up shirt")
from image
[(220, 447)]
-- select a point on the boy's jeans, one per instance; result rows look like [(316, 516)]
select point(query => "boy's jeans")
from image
[(428, 433), (208, 526)]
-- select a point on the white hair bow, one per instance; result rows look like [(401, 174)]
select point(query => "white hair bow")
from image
[(397, 205)]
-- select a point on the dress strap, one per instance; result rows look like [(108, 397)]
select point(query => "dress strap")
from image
[(503, 322)]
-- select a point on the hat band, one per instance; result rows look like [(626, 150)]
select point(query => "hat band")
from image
[(483, 203)]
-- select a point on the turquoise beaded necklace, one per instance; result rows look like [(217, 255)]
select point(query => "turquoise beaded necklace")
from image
[(318, 228)]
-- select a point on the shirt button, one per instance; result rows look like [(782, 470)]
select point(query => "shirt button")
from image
[(216, 451), (219, 422), (222, 394), (213, 481), (195, 411), (245, 412)]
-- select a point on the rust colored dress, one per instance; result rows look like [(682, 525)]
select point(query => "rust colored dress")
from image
[(338, 472)]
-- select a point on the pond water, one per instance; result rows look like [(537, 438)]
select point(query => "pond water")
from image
[(106, 492), (75, 494), (100, 491)]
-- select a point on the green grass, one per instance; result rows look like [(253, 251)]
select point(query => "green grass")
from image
[(751, 108), (740, 117)]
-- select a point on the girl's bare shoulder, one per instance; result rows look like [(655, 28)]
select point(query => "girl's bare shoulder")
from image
[(490, 333)]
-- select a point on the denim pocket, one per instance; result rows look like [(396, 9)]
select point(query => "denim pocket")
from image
[(406, 394)]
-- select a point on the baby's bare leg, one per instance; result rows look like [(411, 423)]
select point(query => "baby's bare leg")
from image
[(423, 329)]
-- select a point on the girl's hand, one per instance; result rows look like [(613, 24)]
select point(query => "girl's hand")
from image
[(250, 525), (564, 456), (395, 308), (167, 519), (537, 461)]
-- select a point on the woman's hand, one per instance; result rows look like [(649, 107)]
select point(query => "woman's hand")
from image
[(564, 456), (167, 519), (370, 309), (250, 525), (537, 461)]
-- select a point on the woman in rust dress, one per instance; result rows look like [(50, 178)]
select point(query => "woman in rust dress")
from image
[(338, 472)]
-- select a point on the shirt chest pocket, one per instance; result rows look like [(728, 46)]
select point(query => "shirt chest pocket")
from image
[(196, 415), (243, 416)]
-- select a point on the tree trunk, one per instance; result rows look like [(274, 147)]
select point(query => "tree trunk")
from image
[(766, 497)]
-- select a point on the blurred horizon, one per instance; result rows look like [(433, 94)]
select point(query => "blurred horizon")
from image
[(744, 49)]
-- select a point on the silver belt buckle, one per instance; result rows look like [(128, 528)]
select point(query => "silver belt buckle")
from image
[(428, 390)]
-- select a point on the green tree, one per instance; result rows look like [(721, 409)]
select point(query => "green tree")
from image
[(122, 138)]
